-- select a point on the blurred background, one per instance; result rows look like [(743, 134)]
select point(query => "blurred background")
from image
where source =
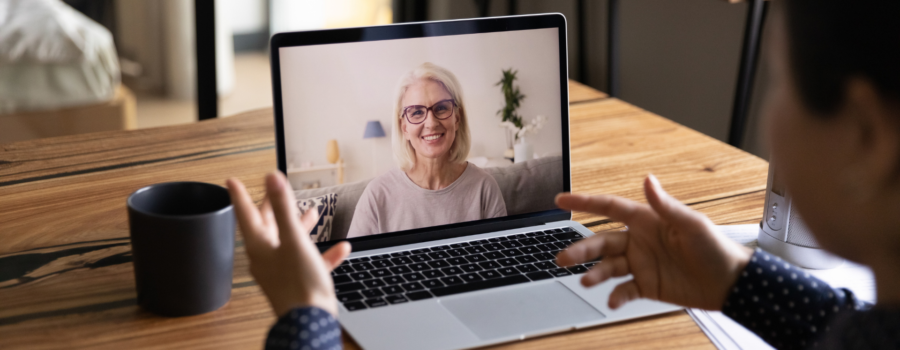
[(125, 64)]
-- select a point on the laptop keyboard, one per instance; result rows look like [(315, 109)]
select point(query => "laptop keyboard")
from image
[(417, 274)]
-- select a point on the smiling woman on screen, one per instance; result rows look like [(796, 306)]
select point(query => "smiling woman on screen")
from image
[(434, 185)]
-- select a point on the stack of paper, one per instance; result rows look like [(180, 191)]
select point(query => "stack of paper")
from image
[(727, 334)]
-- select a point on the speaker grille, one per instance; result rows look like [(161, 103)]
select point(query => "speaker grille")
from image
[(798, 233)]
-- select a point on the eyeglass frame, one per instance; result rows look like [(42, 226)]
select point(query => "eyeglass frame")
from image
[(427, 109)]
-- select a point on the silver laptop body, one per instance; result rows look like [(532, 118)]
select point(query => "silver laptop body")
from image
[(510, 297)]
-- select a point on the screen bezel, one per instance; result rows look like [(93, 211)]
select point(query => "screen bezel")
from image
[(421, 30)]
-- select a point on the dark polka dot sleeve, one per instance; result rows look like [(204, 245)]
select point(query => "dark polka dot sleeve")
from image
[(308, 328), (785, 306)]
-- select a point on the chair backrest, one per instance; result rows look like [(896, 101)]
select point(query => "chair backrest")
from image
[(756, 15), (205, 36)]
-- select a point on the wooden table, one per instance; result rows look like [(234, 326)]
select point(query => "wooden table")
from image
[(65, 266)]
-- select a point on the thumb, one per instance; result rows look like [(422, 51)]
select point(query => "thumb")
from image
[(669, 208), (623, 293), (335, 255)]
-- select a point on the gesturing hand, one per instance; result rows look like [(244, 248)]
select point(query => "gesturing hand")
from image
[(672, 251), (283, 260)]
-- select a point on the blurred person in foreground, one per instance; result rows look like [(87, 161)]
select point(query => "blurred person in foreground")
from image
[(833, 119)]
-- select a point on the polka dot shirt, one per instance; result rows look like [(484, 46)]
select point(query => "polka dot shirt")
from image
[(790, 309), (783, 305), (308, 328)]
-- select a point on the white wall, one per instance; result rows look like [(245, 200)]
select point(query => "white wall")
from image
[(224, 47), (294, 15), (180, 49), (246, 16), (331, 91)]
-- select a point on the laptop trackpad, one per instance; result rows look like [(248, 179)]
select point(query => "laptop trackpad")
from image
[(540, 307)]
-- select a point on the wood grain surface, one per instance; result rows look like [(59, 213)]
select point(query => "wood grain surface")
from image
[(579, 93), (66, 278)]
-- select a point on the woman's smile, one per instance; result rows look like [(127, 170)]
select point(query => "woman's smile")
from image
[(432, 138)]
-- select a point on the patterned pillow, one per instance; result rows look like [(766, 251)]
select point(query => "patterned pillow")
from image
[(325, 203)]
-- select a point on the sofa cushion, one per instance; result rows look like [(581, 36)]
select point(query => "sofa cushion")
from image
[(343, 210), (325, 204), (530, 186)]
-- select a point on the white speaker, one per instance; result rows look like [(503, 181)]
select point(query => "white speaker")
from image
[(784, 234)]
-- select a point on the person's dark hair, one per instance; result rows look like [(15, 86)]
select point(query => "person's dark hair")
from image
[(834, 40)]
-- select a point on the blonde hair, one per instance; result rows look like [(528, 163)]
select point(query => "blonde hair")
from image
[(404, 153)]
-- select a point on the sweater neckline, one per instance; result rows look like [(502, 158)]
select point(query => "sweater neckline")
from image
[(413, 185)]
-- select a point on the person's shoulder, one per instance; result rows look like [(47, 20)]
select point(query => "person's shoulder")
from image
[(385, 181), (476, 174), (475, 171)]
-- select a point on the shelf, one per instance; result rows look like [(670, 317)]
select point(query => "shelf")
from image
[(339, 167), (314, 168)]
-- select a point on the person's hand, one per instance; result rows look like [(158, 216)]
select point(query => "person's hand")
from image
[(672, 252), (283, 260)]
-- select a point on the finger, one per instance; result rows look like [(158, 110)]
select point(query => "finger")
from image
[(284, 208), (335, 255), (248, 217), (243, 204), (602, 244), (270, 232), (616, 266), (616, 208), (265, 210), (308, 221), (669, 208), (624, 293)]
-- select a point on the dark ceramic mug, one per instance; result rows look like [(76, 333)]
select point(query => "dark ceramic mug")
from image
[(182, 242)]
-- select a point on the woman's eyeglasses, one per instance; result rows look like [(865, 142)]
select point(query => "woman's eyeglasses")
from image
[(441, 110)]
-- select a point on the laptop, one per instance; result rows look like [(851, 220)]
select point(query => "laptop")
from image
[(409, 140)]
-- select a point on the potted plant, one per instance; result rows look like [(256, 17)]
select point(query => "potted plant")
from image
[(509, 119), (518, 150)]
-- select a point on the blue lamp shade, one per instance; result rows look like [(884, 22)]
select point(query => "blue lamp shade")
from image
[(373, 129)]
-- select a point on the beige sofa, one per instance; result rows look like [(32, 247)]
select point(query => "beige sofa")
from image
[(527, 187)]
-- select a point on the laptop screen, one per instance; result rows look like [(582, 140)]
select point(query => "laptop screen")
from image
[(394, 135)]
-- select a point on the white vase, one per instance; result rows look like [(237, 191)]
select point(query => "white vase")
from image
[(524, 151)]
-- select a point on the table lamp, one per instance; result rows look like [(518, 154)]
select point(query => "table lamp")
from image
[(373, 130)]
